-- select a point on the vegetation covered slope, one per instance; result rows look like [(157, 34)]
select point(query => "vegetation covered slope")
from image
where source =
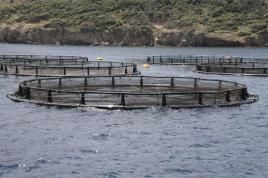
[(136, 22)]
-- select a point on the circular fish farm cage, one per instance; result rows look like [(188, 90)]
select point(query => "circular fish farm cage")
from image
[(49, 66), (132, 92), (228, 68), (196, 60), (217, 65)]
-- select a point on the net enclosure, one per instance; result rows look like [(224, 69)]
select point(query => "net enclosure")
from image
[(218, 65), (196, 60), (132, 92), (244, 68), (38, 65)]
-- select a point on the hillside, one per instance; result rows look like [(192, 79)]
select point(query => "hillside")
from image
[(136, 22)]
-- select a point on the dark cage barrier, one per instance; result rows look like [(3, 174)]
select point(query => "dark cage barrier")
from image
[(244, 68), (195, 60), (132, 92), (37, 65), (217, 65)]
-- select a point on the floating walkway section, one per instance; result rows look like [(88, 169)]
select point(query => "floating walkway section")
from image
[(49, 66), (217, 65), (132, 92)]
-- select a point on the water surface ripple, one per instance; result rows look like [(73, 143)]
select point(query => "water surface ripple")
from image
[(213, 142)]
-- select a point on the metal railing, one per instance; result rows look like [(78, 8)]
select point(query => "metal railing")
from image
[(194, 60), (251, 68), (62, 66), (132, 91)]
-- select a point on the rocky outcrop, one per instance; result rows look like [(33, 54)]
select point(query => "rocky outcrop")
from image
[(193, 39), (117, 37), (260, 40), (135, 36)]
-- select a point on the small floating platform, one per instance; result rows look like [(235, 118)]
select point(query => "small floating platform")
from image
[(132, 92)]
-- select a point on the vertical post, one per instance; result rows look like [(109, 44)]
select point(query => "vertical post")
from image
[(113, 81), (172, 82), (87, 70), (16, 70), (141, 81), (85, 82), (134, 68), (195, 83), (1, 67), (198, 68), (49, 96), (126, 70), (110, 70), (83, 100), (148, 59), (123, 102), (6, 69), (228, 96), (220, 85), (20, 91), (60, 82), (200, 99), (153, 59), (244, 94), (64, 70), (39, 83), (224, 70), (164, 100), (28, 93), (98, 65), (36, 71), (208, 68)]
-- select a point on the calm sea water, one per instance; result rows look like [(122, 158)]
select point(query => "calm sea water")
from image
[(38, 141)]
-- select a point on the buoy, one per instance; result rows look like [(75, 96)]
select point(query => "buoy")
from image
[(99, 58), (146, 65), (227, 57)]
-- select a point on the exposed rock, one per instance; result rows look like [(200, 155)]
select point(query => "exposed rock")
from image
[(193, 39), (135, 36), (123, 37)]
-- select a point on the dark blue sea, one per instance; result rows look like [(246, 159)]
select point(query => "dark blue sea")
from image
[(37, 141)]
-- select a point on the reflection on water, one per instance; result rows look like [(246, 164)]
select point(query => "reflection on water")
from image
[(213, 142)]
